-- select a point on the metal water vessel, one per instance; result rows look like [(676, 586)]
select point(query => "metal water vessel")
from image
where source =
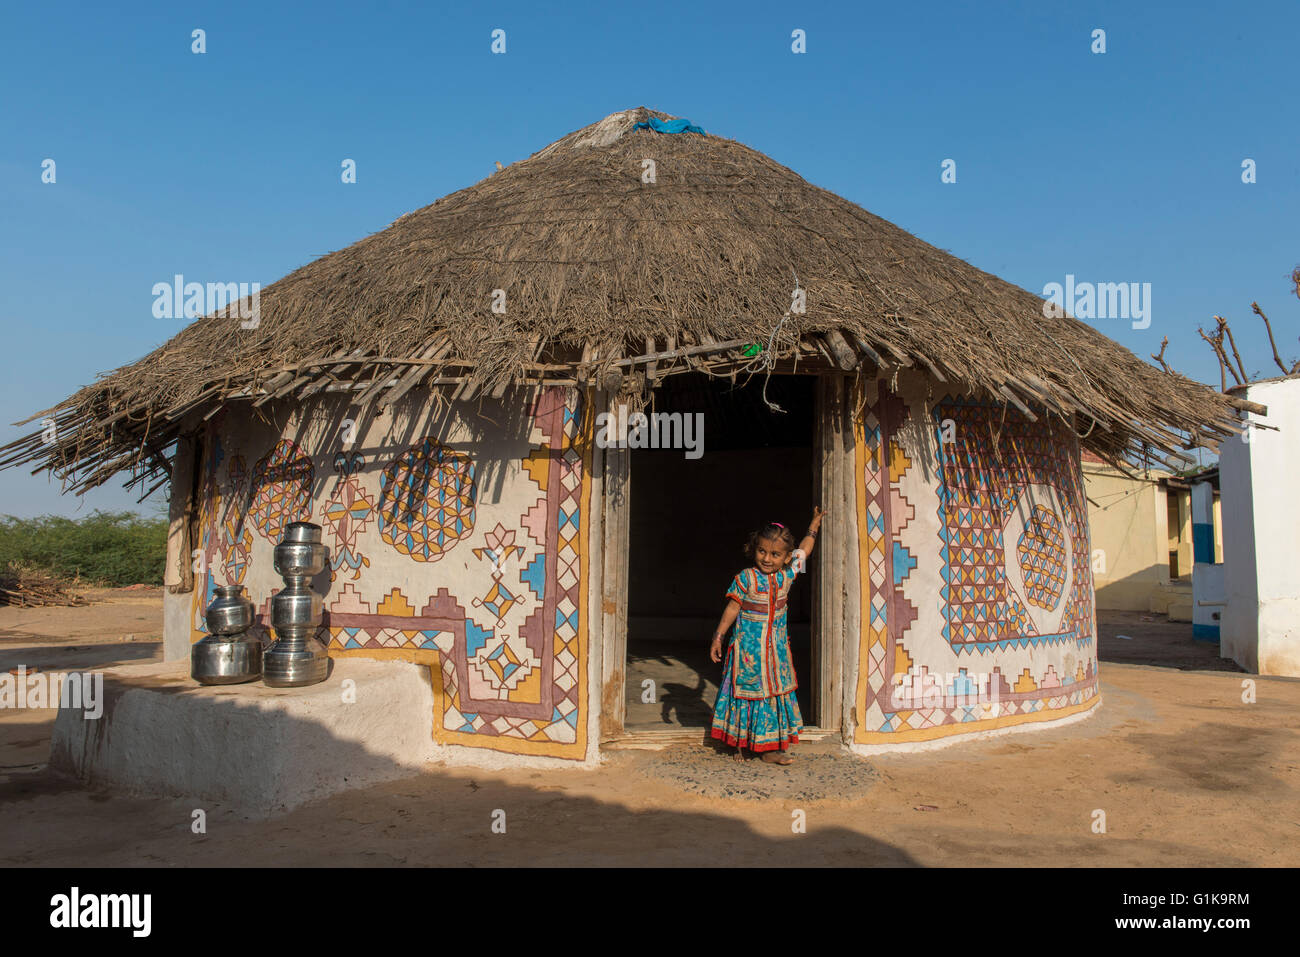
[(229, 655), (297, 658)]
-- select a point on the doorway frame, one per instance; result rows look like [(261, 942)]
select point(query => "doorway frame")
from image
[(836, 605)]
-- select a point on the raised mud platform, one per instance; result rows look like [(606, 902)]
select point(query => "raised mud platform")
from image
[(257, 748)]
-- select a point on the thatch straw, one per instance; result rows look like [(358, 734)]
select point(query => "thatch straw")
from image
[(599, 267)]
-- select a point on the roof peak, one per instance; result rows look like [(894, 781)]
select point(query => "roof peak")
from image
[(604, 131)]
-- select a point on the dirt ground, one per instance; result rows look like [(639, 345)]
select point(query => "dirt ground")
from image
[(1184, 771)]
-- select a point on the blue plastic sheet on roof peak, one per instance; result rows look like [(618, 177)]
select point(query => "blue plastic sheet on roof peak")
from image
[(669, 126)]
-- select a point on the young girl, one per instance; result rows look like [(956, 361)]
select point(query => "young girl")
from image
[(756, 706)]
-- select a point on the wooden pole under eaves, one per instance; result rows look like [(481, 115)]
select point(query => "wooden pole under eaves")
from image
[(871, 353), (437, 348), (844, 356), (1015, 400)]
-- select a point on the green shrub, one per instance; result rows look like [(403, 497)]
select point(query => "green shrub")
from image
[(107, 548)]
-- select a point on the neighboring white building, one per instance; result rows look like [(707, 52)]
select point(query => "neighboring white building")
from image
[(1260, 623)]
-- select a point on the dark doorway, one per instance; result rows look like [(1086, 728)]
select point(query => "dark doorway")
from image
[(688, 520)]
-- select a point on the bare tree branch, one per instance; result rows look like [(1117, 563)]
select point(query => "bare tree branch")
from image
[(1164, 343), (1232, 341), (1223, 379), (1216, 343), (1269, 326)]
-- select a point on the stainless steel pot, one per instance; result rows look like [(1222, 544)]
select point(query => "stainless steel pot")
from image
[(226, 659), (299, 559), (296, 659), (301, 532), (230, 612), (296, 609)]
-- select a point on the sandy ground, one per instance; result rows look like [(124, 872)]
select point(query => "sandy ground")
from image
[(1184, 771)]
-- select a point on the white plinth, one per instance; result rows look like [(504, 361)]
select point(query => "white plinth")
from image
[(256, 748)]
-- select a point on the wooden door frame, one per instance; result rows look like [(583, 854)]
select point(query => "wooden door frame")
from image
[(611, 536), (834, 565), (836, 607)]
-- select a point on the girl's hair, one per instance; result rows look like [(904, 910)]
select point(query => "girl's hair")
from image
[(770, 530)]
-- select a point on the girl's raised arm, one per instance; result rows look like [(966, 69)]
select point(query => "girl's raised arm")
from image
[(810, 537)]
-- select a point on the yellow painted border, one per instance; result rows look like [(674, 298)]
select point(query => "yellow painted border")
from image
[(966, 727), (418, 656), (205, 517)]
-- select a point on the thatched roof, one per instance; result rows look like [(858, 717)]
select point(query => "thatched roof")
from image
[(601, 270)]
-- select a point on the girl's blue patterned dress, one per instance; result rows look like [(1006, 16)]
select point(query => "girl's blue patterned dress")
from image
[(756, 706)]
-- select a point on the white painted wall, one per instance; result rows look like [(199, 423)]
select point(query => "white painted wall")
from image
[(1207, 594), (1261, 535), (178, 610)]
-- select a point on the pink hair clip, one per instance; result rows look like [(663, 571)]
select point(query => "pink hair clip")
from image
[(778, 525)]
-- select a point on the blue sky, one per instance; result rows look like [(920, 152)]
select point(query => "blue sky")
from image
[(1115, 167)]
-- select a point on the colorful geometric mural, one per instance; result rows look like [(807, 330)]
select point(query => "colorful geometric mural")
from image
[(999, 472), (237, 538), (1041, 551), (504, 636), (985, 577), (237, 553), (346, 515), (499, 549), (281, 490), (530, 687), (426, 500)]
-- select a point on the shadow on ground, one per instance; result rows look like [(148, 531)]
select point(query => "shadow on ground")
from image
[(1138, 638), (443, 816)]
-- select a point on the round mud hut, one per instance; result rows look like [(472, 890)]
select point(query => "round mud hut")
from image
[(537, 418)]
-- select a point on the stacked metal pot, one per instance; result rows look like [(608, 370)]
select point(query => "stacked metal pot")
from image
[(297, 658), (229, 655)]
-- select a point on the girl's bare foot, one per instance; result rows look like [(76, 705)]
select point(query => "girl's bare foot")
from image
[(778, 757), (739, 755)]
